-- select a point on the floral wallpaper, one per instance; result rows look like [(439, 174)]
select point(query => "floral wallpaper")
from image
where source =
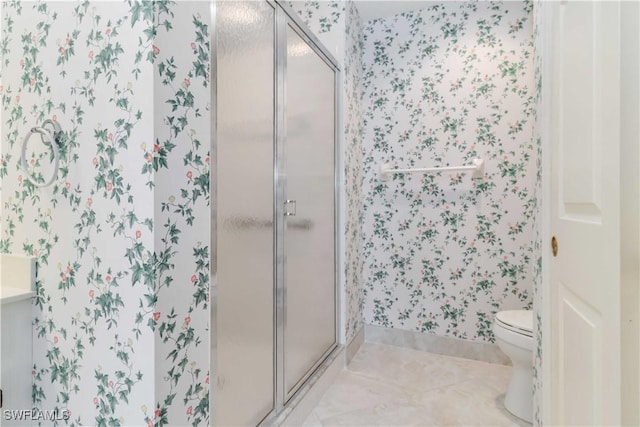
[(121, 313), (321, 16), (442, 86), (181, 166), (538, 266), (353, 177)]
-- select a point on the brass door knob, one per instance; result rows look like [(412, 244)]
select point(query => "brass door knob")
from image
[(554, 246)]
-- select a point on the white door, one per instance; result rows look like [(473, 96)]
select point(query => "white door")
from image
[(585, 215)]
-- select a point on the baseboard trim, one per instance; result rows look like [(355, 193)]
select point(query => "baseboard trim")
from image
[(354, 345), (486, 352)]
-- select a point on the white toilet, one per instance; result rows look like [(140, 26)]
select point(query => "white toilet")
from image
[(514, 335)]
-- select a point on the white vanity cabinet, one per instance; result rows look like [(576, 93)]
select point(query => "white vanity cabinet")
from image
[(17, 283)]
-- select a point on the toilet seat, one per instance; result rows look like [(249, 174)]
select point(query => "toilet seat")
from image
[(518, 321)]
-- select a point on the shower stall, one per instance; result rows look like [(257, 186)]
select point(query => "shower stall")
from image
[(274, 225)]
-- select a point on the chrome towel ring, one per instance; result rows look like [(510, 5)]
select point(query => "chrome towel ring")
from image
[(48, 137)]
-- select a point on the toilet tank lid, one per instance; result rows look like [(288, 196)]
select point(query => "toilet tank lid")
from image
[(522, 319)]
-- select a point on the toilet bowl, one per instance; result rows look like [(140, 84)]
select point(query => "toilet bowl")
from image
[(513, 330)]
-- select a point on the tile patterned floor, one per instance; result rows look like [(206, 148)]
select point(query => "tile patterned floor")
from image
[(394, 386)]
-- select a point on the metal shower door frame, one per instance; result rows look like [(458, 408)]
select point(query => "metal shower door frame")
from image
[(213, 220), (285, 17)]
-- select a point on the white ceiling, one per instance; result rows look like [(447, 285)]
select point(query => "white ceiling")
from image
[(372, 9)]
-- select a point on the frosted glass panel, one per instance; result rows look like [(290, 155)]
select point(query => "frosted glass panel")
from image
[(245, 212), (309, 235)]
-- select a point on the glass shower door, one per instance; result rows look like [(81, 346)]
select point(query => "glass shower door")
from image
[(245, 212), (309, 239), (275, 150)]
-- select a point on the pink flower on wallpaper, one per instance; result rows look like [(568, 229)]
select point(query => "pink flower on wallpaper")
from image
[(93, 160)]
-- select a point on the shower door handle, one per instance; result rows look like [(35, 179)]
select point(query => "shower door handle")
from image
[(287, 212)]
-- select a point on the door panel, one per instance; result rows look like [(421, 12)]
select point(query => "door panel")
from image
[(580, 325), (245, 208), (585, 275), (580, 185), (309, 322)]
